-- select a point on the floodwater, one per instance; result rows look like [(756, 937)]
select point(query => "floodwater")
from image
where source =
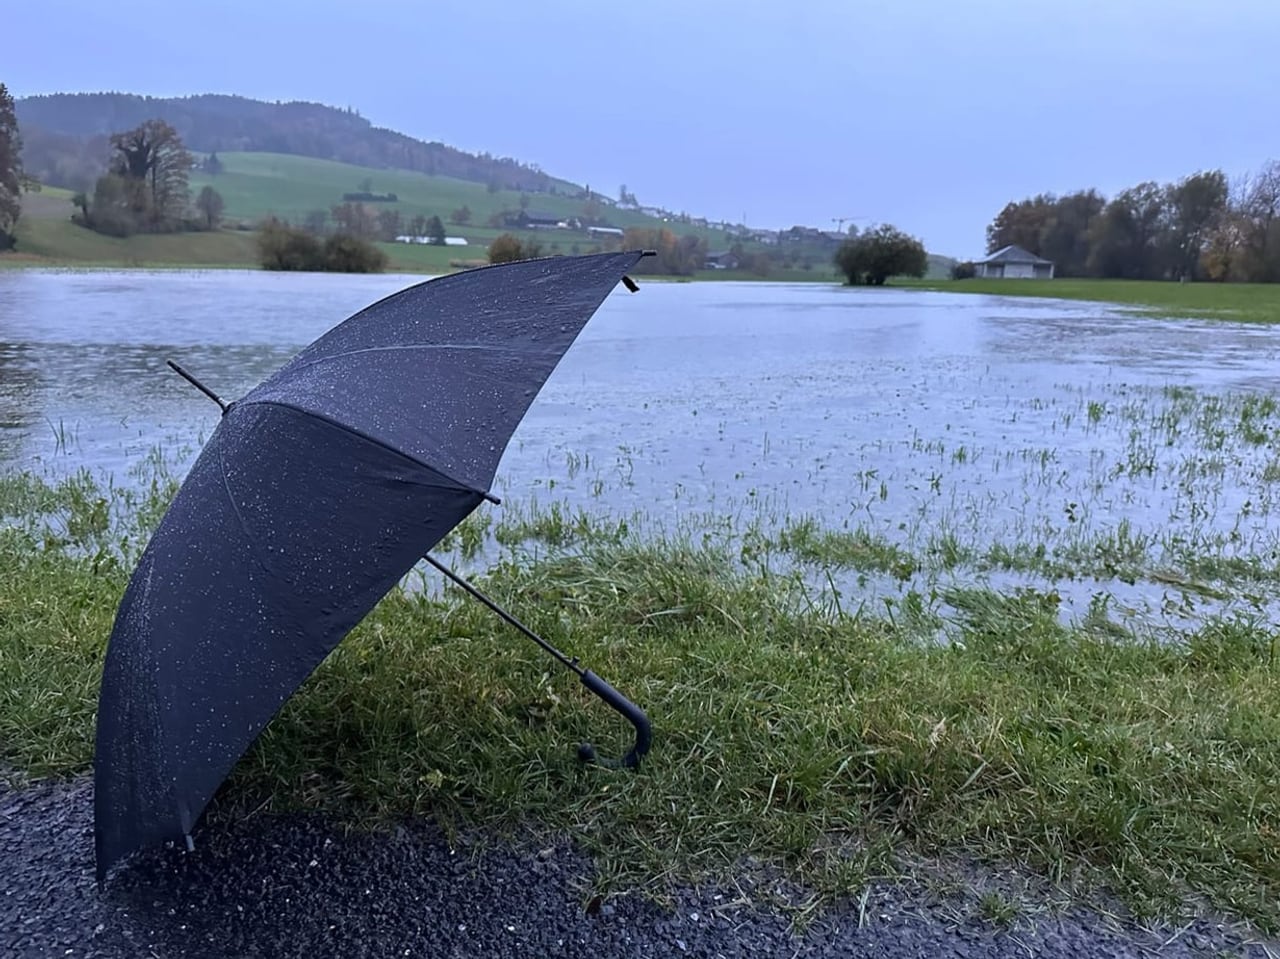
[(934, 422)]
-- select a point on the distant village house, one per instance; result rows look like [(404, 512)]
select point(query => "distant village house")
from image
[(1013, 262), (448, 240), (528, 220)]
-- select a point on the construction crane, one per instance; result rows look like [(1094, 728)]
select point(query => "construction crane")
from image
[(840, 221)]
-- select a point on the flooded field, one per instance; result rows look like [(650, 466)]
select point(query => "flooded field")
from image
[(909, 451)]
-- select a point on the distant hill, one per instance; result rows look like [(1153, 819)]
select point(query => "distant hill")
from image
[(65, 136), (298, 159)]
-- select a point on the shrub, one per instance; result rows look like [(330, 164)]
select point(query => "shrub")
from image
[(508, 249), (283, 247)]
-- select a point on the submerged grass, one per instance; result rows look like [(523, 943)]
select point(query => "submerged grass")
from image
[(837, 746)]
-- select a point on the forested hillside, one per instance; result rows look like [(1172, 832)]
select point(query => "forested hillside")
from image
[(66, 137)]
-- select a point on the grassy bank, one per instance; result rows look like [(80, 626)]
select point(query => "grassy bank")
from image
[(47, 237), (788, 728), (257, 185), (1254, 302)]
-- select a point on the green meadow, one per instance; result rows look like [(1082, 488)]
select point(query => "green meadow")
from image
[(256, 185), (1253, 302)]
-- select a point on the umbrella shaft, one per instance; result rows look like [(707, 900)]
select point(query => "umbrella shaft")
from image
[(198, 385), (551, 650)]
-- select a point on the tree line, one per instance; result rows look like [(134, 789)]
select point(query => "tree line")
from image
[(357, 219), (1204, 226), (673, 255), (67, 132)]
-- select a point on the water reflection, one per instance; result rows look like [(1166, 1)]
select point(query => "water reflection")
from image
[(913, 417)]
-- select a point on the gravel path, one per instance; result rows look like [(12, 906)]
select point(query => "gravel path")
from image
[(278, 887)]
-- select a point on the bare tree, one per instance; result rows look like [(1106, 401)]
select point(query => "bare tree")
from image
[(1261, 209), (152, 160), (210, 205)]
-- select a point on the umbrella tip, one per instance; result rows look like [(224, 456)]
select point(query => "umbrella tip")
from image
[(630, 284)]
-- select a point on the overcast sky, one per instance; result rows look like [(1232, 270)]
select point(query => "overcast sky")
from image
[(928, 114)]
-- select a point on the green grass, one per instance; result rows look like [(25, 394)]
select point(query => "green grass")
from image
[(254, 185), (61, 242), (46, 236), (1255, 302), (835, 746)]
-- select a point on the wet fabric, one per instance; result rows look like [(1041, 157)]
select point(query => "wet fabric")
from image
[(316, 493)]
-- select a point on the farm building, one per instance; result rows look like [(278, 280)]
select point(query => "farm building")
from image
[(1013, 262), (723, 260)]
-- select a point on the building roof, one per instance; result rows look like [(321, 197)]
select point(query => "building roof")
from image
[(538, 216), (1015, 254)]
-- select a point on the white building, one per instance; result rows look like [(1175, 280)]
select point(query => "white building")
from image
[(1013, 262)]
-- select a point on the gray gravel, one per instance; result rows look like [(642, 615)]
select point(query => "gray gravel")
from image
[(292, 886)]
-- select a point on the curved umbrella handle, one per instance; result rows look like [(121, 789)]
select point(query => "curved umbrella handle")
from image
[(630, 711)]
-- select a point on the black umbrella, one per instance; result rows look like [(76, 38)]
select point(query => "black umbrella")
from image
[(317, 492)]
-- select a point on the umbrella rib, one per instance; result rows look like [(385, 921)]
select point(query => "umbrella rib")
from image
[(244, 526), (345, 427)]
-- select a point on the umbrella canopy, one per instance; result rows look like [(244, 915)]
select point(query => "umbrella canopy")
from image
[(317, 492)]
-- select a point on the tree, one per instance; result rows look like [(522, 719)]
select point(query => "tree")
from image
[(507, 249), (282, 247), (344, 253), (210, 205), (389, 223), (1260, 208), (12, 178), (1020, 224), (879, 253), (212, 165), (435, 231), (81, 202), (111, 211), (1125, 240), (1064, 237), (1193, 206), (316, 221), (356, 219), (1224, 249), (154, 165), (461, 216), (676, 256)]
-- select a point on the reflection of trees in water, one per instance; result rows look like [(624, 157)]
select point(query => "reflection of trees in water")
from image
[(19, 386)]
